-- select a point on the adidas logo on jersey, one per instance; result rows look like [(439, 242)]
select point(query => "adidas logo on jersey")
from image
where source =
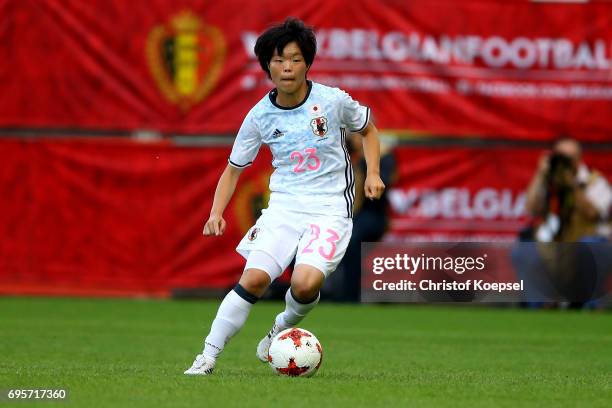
[(277, 133)]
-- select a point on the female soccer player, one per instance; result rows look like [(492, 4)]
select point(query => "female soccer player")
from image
[(312, 188)]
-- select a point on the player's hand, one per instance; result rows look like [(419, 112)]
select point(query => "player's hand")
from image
[(373, 186), (214, 226)]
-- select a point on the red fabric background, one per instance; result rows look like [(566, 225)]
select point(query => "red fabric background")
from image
[(117, 217), (436, 196), (84, 64), (113, 217)]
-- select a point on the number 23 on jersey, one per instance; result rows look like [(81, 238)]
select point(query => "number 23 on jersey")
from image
[(306, 160)]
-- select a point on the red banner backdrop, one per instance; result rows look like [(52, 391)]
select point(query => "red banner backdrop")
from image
[(517, 69), (116, 217), (113, 217), (466, 194)]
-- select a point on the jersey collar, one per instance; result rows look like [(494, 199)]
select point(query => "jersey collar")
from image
[(273, 93)]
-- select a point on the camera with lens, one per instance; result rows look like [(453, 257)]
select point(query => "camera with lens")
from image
[(561, 171)]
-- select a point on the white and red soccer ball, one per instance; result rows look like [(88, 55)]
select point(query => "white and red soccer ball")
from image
[(296, 353)]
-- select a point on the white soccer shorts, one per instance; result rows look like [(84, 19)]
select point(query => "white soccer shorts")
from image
[(316, 240)]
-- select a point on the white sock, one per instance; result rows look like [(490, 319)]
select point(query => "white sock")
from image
[(231, 316), (294, 312)]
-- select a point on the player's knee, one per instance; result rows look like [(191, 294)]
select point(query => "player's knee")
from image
[(306, 289), (306, 284), (255, 281)]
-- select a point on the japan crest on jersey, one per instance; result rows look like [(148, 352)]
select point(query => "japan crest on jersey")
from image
[(319, 126), (253, 234)]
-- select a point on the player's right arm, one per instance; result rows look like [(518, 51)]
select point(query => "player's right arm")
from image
[(246, 146), (225, 189)]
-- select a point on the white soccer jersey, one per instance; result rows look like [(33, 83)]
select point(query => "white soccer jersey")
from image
[(312, 170)]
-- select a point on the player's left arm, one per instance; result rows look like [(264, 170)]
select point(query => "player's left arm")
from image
[(373, 186)]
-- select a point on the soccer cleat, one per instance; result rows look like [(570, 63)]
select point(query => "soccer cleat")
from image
[(264, 345), (202, 365)]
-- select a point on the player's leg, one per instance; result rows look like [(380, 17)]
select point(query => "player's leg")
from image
[(301, 298), (319, 252), (235, 308)]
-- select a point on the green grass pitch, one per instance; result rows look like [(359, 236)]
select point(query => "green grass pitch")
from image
[(132, 353)]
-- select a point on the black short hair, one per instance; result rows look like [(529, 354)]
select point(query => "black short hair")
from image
[(279, 35)]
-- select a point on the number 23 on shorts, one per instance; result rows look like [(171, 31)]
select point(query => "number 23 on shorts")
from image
[(327, 249)]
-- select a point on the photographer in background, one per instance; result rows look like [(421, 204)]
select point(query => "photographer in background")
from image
[(569, 201)]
